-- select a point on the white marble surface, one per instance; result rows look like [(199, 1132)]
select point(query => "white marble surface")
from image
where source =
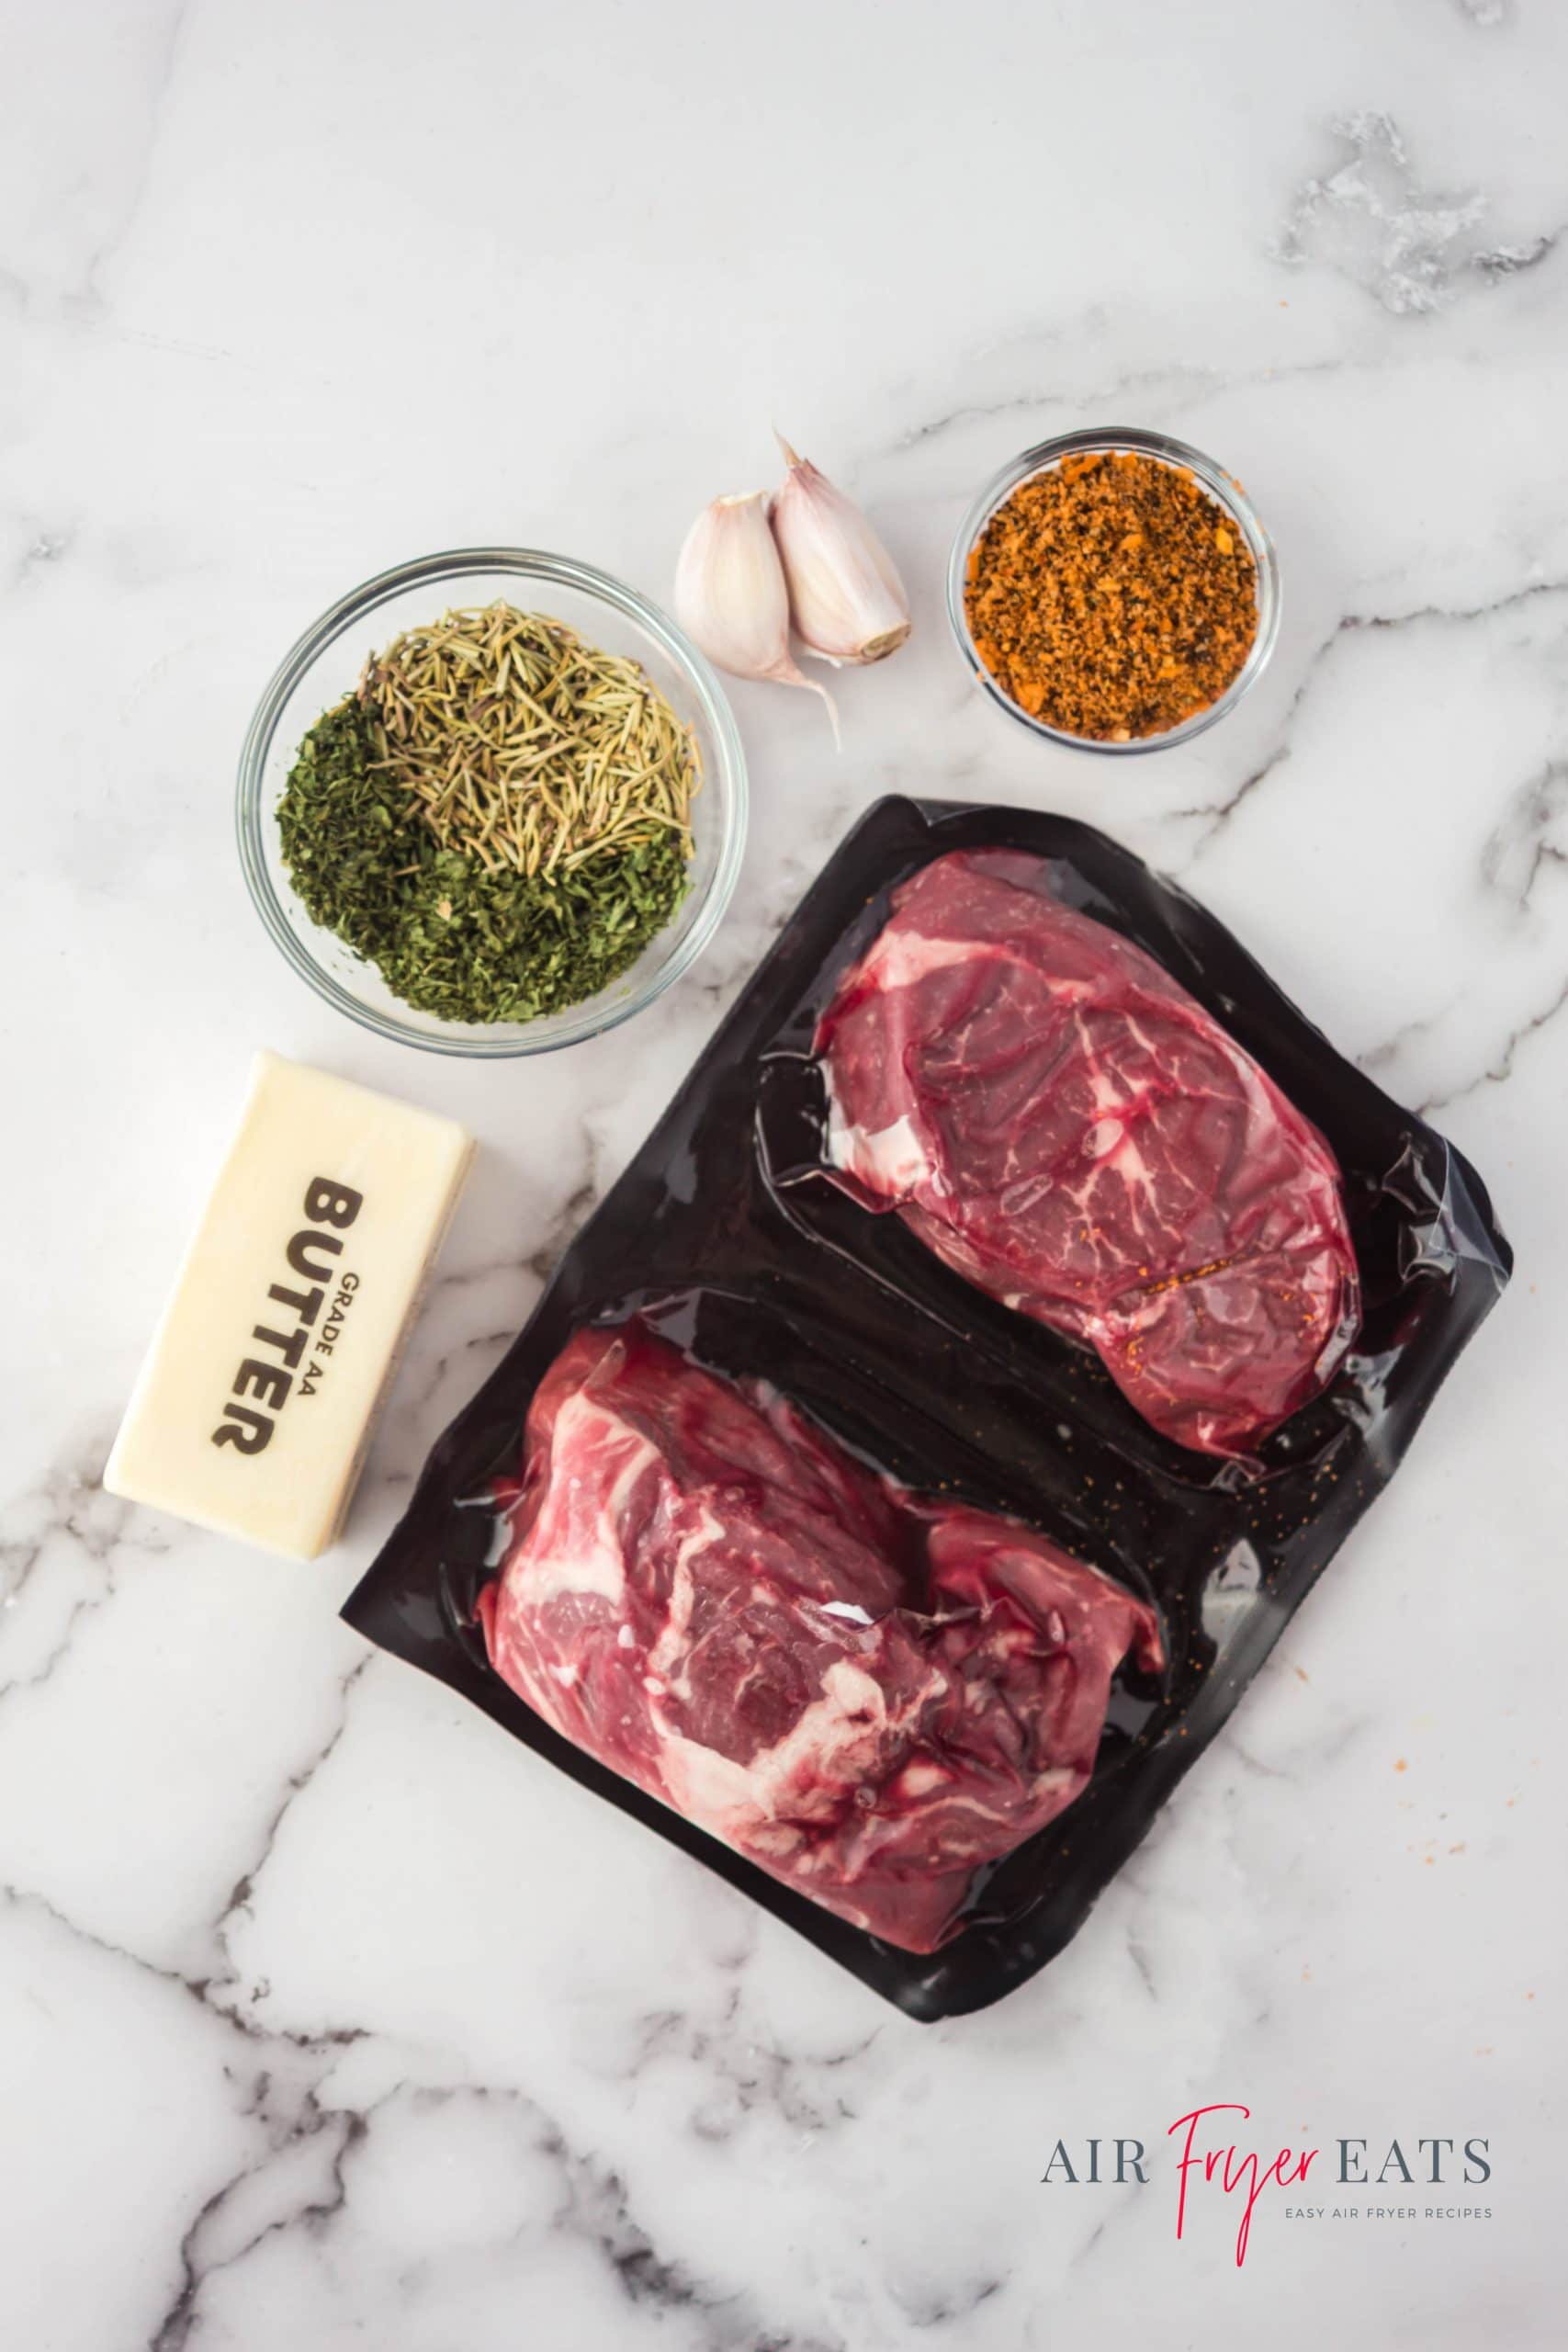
[(320, 2020)]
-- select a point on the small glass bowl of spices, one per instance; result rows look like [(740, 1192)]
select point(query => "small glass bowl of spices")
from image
[(1114, 591), (493, 803)]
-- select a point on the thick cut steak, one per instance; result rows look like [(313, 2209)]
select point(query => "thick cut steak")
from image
[(1059, 1121), (867, 1694)]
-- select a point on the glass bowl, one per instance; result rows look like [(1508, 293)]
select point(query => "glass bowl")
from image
[(326, 663), (1226, 492)]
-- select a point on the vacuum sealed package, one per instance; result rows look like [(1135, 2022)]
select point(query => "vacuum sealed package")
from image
[(917, 1453)]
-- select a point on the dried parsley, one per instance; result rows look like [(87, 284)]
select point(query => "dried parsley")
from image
[(448, 933), (1111, 596)]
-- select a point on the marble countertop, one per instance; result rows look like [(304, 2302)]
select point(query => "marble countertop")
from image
[(328, 2016)]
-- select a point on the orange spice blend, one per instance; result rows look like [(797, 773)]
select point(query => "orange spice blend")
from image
[(1111, 597)]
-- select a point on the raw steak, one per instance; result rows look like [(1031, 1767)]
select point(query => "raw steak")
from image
[(867, 1694), (1063, 1124)]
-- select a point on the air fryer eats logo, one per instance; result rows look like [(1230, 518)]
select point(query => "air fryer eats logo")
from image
[(1213, 2169)]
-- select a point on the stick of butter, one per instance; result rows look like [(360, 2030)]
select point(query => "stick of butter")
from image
[(256, 1402)]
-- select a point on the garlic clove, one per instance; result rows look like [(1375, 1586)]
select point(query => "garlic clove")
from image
[(731, 596), (845, 596)]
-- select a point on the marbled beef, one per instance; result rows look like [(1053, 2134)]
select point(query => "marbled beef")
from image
[(1059, 1121), (866, 1693)]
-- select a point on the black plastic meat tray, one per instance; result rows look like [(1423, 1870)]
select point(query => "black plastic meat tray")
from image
[(728, 1236)]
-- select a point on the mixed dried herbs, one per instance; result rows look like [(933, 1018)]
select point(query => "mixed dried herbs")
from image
[(1111, 597), (497, 820)]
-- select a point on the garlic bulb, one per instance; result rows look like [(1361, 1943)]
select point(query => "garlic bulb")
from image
[(730, 593), (845, 596)]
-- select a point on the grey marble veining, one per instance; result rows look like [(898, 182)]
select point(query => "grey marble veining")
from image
[(326, 2016)]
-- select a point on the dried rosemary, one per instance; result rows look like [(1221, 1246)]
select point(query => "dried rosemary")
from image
[(525, 746)]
